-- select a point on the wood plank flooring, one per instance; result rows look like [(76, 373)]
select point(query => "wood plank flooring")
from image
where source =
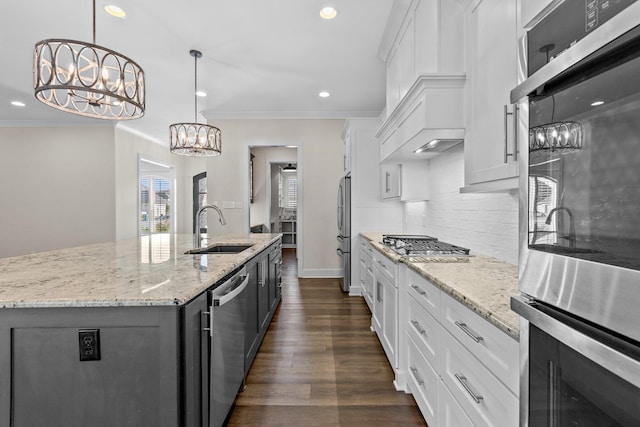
[(320, 364)]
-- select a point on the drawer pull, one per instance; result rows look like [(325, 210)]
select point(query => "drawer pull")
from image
[(418, 327), (419, 290), (464, 383), (468, 331), (415, 374), (382, 264)]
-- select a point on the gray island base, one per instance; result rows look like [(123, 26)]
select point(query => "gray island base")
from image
[(104, 345)]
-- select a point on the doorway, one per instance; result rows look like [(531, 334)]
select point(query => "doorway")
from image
[(274, 193)]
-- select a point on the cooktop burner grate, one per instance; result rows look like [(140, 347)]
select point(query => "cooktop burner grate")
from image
[(422, 246)]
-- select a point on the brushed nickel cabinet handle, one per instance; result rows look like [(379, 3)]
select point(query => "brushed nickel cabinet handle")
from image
[(468, 331), (418, 327), (465, 384), (419, 290), (516, 114), (387, 188), (416, 375)]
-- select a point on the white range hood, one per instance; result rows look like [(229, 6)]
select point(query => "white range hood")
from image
[(433, 109)]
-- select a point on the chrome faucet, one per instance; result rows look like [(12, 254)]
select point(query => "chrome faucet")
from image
[(197, 220), (572, 225)]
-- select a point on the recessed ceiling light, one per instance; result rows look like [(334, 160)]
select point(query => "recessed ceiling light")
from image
[(201, 93), (115, 11), (597, 103), (328, 12), (324, 94), (18, 103)]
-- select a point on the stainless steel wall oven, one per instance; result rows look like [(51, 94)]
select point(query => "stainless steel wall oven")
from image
[(579, 124)]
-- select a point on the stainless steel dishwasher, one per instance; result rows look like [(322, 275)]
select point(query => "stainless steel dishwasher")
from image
[(227, 345)]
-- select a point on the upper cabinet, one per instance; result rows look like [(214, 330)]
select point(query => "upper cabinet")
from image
[(423, 49), (491, 49)]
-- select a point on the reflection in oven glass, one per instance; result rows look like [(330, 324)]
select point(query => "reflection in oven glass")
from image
[(567, 389)]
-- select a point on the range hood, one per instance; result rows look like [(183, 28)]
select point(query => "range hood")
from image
[(432, 110)]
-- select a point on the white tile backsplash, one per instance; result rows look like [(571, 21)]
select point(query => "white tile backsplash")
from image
[(486, 223)]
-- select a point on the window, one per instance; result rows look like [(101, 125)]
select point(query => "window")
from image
[(200, 199), (155, 198), (288, 190)]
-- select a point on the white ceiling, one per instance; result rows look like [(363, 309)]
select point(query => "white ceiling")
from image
[(261, 58)]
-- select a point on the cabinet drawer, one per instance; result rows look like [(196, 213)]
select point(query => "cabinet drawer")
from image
[(424, 292), (424, 329), (495, 349), (387, 267), (484, 399), (366, 247), (450, 414), (423, 383)]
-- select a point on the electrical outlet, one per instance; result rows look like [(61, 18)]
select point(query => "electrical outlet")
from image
[(89, 340), (227, 204)]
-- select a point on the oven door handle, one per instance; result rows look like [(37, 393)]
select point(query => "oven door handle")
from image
[(611, 359)]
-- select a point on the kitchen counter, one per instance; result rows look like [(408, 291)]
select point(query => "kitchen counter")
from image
[(132, 272), (483, 284)]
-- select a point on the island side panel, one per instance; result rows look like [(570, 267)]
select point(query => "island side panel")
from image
[(134, 383)]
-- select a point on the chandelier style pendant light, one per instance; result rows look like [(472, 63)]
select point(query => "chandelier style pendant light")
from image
[(87, 79), (195, 139)]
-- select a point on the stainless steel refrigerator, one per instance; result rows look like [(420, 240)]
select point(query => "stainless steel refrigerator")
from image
[(344, 230)]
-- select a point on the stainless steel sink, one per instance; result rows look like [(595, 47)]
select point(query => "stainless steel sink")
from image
[(220, 249)]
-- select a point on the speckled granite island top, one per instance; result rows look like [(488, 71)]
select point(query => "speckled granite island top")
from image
[(483, 284), (132, 272)]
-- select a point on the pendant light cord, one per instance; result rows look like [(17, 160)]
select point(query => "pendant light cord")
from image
[(94, 21), (195, 90)]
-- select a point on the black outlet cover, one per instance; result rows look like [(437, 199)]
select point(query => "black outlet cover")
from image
[(89, 340)]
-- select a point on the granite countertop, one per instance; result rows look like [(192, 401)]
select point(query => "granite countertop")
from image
[(483, 284), (132, 272)]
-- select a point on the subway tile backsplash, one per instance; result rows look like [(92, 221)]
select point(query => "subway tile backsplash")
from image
[(486, 223)]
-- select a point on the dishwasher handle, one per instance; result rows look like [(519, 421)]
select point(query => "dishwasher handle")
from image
[(226, 296)]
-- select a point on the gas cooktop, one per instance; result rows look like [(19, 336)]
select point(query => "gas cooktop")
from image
[(420, 245)]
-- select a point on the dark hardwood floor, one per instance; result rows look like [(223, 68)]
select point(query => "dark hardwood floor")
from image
[(320, 364)]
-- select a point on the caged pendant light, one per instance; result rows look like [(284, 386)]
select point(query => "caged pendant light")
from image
[(87, 79), (195, 139)]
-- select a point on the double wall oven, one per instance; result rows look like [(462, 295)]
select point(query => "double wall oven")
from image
[(579, 122)]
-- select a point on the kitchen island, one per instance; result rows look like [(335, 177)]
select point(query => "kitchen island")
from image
[(140, 307)]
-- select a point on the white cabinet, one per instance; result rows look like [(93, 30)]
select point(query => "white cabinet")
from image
[(422, 381), (366, 273), (450, 414), (482, 397), (491, 143), (390, 183), (475, 363), (385, 303)]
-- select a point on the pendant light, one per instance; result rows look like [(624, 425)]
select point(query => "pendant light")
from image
[(87, 79), (289, 168), (195, 139)]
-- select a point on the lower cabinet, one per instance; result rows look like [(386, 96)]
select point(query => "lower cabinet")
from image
[(263, 295), (385, 305), (450, 413), (366, 273), (196, 362), (458, 366)]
